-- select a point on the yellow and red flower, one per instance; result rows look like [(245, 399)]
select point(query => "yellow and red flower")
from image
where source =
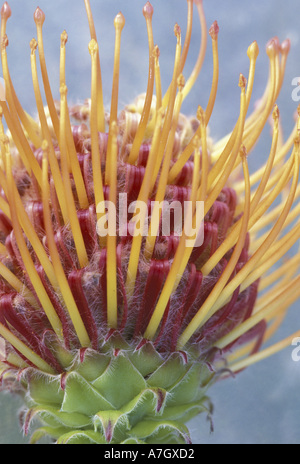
[(115, 334)]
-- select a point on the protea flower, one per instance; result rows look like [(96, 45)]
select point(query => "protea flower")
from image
[(113, 325)]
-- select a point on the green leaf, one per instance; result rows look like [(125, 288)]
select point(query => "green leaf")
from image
[(108, 420), (189, 389), (55, 418), (120, 383), (146, 429), (169, 373), (81, 437), (148, 403), (81, 397), (133, 441), (93, 365), (53, 432), (64, 357), (183, 412), (45, 389), (146, 359), (115, 342)]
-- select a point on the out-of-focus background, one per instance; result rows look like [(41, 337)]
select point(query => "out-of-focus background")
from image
[(262, 405)]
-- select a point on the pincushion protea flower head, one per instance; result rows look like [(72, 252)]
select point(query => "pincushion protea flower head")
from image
[(119, 307)]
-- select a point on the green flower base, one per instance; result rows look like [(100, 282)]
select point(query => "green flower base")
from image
[(122, 395)]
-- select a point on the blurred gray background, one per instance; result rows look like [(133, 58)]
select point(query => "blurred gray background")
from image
[(261, 406)]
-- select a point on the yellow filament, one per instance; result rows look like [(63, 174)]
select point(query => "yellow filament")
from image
[(15, 360), (17, 137), (157, 79), (281, 243), (33, 237), (187, 40), (294, 214), (119, 24), (278, 67), (273, 293), (4, 207), (274, 179), (27, 352), (17, 285), (134, 152), (60, 274), (256, 257), (284, 49), (75, 167), (13, 122), (173, 278), (201, 194), (169, 114), (254, 130), (185, 155), (278, 304), (272, 257), (215, 293), (220, 181), (29, 232), (161, 189), (183, 252), (3, 138), (252, 53), (27, 260), (166, 143), (267, 352), (72, 212), (231, 145), (5, 15), (286, 269), (212, 98), (30, 125), (256, 114), (59, 187), (204, 158), (280, 155), (39, 18), (73, 163), (195, 73), (267, 182), (269, 218), (3, 250), (143, 197), (111, 263), (276, 324), (230, 240), (62, 75), (170, 141), (186, 46), (268, 200), (96, 156), (241, 352), (246, 349), (99, 91)]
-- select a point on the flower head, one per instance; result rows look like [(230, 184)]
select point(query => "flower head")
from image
[(135, 250)]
